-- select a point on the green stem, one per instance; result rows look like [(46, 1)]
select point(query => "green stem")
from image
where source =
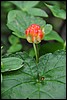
[(35, 49), (37, 58), (1, 51), (64, 45)]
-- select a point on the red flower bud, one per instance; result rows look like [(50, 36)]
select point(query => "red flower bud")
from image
[(34, 33)]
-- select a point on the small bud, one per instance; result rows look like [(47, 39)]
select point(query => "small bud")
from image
[(34, 34)]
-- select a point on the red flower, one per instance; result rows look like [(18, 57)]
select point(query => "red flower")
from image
[(34, 33)]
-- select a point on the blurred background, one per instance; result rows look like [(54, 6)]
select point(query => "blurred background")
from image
[(59, 26)]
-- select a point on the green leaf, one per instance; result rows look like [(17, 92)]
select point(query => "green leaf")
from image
[(19, 35), (31, 52), (18, 21), (24, 5), (37, 12), (11, 63), (14, 48), (50, 47), (53, 36), (53, 69), (19, 4), (26, 83), (30, 4), (13, 39), (48, 28), (57, 12), (53, 2)]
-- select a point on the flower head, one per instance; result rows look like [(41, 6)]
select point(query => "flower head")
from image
[(34, 33)]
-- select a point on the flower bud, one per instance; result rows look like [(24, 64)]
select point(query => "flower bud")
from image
[(34, 33)]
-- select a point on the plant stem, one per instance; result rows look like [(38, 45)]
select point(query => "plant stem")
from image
[(1, 51), (36, 53), (64, 45), (37, 58)]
